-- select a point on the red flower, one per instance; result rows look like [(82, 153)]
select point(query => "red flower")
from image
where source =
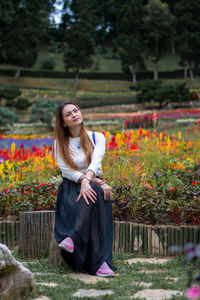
[(54, 192), (194, 182), (27, 192), (172, 188), (198, 122), (7, 190), (41, 184)]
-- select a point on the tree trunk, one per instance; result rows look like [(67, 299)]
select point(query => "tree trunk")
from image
[(35, 233), (192, 77), (155, 76), (185, 73), (134, 79), (17, 74), (76, 80)]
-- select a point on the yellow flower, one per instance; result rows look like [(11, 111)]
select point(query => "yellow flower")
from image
[(12, 148), (107, 135)]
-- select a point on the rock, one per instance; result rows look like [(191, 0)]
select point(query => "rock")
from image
[(14, 277), (51, 284), (157, 294), (92, 293), (147, 260), (86, 278), (42, 298), (143, 284)]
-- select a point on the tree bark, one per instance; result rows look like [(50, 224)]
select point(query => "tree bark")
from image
[(35, 233), (155, 77), (76, 80), (17, 74), (192, 77), (134, 79), (185, 73)]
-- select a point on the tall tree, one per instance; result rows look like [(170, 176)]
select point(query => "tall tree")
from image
[(19, 41), (130, 32), (78, 55), (188, 34), (106, 14), (158, 31)]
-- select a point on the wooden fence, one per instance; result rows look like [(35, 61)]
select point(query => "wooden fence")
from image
[(128, 237), (9, 234)]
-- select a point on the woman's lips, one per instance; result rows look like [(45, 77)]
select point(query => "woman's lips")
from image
[(75, 120)]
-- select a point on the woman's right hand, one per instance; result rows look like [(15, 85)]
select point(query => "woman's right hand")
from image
[(87, 192)]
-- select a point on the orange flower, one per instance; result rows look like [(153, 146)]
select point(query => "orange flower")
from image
[(195, 128), (148, 185)]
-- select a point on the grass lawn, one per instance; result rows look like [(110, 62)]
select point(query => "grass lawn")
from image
[(168, 276), (103, 62)]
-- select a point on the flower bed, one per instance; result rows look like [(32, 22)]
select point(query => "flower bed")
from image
[(155, 177)]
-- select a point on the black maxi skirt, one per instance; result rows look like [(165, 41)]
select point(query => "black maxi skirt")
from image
[(89, 226)]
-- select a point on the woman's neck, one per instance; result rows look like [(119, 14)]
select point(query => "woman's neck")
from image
[(75, 132)]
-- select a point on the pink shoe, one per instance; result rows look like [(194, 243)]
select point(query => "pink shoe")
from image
[(67, 244), (104, 271)]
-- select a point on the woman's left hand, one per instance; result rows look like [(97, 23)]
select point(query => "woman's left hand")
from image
[(107, 191)]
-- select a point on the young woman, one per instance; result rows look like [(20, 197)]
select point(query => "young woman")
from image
[(83, 215)]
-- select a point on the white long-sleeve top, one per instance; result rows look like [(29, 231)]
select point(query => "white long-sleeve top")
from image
[(78, 157)]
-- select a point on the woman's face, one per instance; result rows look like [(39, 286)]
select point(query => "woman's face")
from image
[(72, 116)]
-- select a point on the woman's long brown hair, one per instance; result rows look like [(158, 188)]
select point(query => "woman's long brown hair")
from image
[(62, 135)]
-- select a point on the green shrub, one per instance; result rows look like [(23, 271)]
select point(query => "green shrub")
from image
[(43, 110), (7, 116), (22, 103), (153, 90), (10, 93), (49, 62)]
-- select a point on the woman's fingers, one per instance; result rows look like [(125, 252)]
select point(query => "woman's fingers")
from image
[(107, 194), (86, 200), (79, 196), (90, 194)]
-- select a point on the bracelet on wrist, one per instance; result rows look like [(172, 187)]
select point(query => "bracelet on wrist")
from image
[(102, 182), (88, 178)]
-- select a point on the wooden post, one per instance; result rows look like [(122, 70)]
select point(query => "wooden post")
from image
[(55, 257), (35, 233)]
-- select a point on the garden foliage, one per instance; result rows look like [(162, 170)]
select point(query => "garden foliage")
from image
[(163, 94), (155, 178), (7, 116), (43, 110)]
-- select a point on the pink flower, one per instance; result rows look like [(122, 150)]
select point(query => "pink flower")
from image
[(7, 190), (41, 184), (193, 292), (172, 188)]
